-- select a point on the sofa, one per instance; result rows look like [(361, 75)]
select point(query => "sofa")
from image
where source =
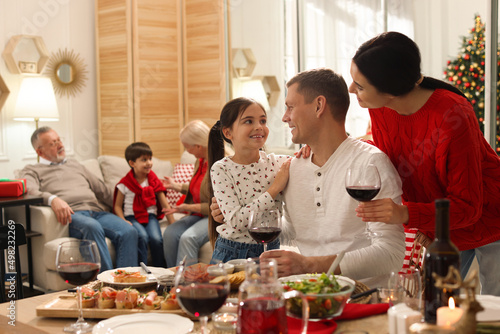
[(110, 169)]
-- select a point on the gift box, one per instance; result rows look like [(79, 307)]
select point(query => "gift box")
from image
[(12, 187)]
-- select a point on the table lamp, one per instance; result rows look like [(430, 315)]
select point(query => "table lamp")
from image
[(251, 88), (36, 101)]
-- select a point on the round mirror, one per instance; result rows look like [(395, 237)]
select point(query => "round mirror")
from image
[(67, 71), (64, 73)]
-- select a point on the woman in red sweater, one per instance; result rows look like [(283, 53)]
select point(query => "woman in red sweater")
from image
[(429, 131)]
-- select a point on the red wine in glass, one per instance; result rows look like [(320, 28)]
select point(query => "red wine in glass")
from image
[(202, 299), (78, 273), (363, 184), (264, 226), (78, 262), (264, 234), (363, 194), (201, 292), (262, 315)]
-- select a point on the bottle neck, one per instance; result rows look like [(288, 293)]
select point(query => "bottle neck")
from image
[(442, 224)]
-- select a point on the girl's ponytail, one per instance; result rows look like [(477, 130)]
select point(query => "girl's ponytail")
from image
[(215, 153)]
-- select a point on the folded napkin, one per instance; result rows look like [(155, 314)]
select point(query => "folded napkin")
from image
[(355, 311), (316, 327)]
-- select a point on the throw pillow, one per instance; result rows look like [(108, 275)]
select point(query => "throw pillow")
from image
[(182, 174)]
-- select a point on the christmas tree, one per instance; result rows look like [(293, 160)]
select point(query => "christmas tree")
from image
[(466, 72)]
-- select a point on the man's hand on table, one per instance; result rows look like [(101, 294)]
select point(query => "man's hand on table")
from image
[(289, 263), (293, 263), (62, 210)]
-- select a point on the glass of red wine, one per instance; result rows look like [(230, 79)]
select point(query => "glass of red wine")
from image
[(201, 289), (363, 184), (78, 262), (265, 226)]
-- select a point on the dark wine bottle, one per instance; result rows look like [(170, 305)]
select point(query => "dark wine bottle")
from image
[(440, 255)]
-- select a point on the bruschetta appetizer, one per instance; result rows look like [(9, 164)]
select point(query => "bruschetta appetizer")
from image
[(150, 301), (106, 297), (170, 302), (122, 276), (126, 298), (88, 297)]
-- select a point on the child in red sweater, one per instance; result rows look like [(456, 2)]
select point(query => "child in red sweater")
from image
[(140, 200), (429, 131)]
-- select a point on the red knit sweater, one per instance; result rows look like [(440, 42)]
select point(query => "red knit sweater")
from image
[(440, 152)]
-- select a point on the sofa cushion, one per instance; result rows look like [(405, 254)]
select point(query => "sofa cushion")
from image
[(162, 168), (113, 169), (93, 166), (182, 174)]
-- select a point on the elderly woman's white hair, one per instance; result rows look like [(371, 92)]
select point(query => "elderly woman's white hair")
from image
[(195, 133)]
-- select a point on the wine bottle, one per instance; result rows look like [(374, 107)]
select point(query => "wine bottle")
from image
[(440, 255)]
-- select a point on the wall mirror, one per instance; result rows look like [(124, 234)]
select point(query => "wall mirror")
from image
[(67, 71), (25, 49)]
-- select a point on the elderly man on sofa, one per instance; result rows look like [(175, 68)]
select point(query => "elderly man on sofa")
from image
[(74, 193)]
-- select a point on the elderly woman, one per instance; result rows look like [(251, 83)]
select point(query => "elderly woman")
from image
[(188, 234)]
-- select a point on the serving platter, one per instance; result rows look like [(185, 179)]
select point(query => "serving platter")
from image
[(65, 306)]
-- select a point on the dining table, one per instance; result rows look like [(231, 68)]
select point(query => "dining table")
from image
[(27, 321)]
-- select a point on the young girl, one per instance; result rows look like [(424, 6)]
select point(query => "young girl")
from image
[(248, 181), (140, 200)]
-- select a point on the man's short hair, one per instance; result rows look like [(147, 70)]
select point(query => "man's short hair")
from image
[(137, 150), (325, 82), (35, 136)]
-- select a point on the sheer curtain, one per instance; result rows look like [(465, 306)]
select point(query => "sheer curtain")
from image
[(329, 33)]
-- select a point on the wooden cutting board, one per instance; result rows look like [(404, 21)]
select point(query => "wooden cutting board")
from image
[(65, 306)]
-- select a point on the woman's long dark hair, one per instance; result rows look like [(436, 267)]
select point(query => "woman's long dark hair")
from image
[(391, 63), (228, 115)]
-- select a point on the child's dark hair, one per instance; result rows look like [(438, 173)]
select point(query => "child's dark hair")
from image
[(228, 115), (137, 150), (391, 63)]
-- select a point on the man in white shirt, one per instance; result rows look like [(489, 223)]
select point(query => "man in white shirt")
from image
[(321, 214)]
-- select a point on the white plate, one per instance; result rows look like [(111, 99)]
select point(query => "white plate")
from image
[(144, 323), (491, 306), (106, 276)]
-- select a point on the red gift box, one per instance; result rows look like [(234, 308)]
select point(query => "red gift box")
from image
[(12, 187)]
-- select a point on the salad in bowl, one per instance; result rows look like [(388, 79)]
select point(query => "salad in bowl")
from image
[(326, 295)]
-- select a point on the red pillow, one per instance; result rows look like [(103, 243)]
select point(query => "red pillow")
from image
[(182, 174)]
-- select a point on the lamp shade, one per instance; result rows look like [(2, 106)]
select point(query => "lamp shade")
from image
[(36, 100), (253, 89)]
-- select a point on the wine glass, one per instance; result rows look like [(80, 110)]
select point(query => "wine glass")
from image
[(264, 226), (409, 281), (201, 289), (78, 262), (363, 184)]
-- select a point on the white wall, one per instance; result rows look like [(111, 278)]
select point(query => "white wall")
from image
[(438, 28), (262, 32), (62, 24)]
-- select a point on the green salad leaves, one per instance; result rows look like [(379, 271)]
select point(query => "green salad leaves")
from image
[(315, 285)]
